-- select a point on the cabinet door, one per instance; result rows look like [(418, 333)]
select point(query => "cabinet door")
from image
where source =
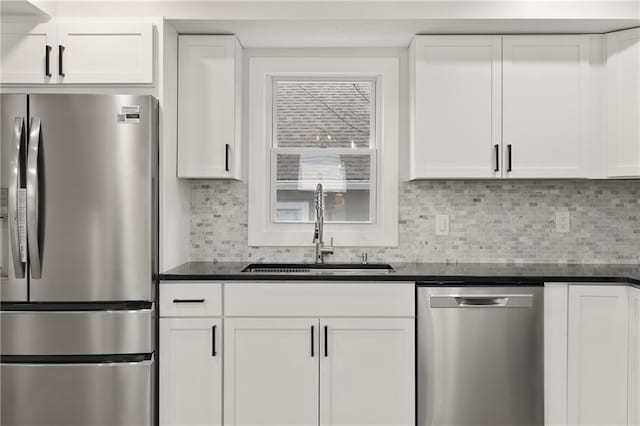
[(271, 371), (634, 356), (209, 106), (93, 53), (190, 371), (457, 106), (623, 103), (598, 369), (556, 305), (367, 372), (545, 106), (23, 53)]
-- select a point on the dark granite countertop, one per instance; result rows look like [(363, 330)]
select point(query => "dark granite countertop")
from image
[(451, 273)]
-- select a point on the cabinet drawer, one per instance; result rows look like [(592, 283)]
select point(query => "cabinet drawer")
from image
[(319, 299), (180, 299)]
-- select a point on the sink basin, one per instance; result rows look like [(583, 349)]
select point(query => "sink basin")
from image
[(312, 268)]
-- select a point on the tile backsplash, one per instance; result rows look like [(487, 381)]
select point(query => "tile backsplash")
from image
[(490, 221)]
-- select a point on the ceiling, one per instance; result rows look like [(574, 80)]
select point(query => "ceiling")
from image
[(330, 23), (382, 33)]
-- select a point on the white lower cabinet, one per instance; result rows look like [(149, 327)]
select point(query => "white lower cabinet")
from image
[(598, 355), (190, 371), (295, 354), (634, 356), (271, 373), (367, 372), (592, 355), (556, 308), (284, 371)]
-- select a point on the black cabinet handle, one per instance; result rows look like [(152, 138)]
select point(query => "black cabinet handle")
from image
[(496, 149), (313, 351), (213, 341), (47, 60), (60, 68), (509, 160), (188, 300), (226, 157), (326, 344)]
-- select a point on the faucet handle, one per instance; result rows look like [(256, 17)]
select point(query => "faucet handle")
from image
[(328, 249)]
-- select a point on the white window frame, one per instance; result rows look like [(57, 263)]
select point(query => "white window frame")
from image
[(383, 229)]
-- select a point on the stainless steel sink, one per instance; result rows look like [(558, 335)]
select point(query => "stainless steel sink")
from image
[(312, 268)]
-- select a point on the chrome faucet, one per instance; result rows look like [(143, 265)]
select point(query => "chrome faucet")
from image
[(321, 250)]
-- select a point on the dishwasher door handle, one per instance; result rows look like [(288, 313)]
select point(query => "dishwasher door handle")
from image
[(482, 301)]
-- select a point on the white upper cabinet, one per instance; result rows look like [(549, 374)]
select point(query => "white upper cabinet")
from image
[(623, 103), (545, 106), (87, 53), (504, 106), (598, 355), (209, 106), (367, 372), (91, 53), (456, 88), (27, 55)]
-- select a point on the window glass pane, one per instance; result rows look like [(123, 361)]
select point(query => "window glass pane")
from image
[(313, 114), (346, 180)]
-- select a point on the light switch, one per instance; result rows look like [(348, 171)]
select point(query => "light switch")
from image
[(442, 224)]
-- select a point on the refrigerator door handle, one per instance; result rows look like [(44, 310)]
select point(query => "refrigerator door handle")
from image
[(17, 249), (33, 220)]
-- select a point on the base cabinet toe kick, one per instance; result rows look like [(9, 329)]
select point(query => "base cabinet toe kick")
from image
[(397, 353)]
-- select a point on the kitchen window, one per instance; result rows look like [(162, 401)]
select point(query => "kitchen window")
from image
[(323, 131), (326, 120)]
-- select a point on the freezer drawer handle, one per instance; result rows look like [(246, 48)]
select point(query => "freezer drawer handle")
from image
[(33, 199), (14, 193), (188, 300)]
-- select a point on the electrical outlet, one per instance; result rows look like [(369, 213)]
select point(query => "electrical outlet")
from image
[(442, 224), (563, 222)]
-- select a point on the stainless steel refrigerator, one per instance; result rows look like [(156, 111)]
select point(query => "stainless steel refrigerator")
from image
[(78, 247)]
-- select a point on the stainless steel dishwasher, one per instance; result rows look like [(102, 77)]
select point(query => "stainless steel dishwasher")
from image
[(480, 355)]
